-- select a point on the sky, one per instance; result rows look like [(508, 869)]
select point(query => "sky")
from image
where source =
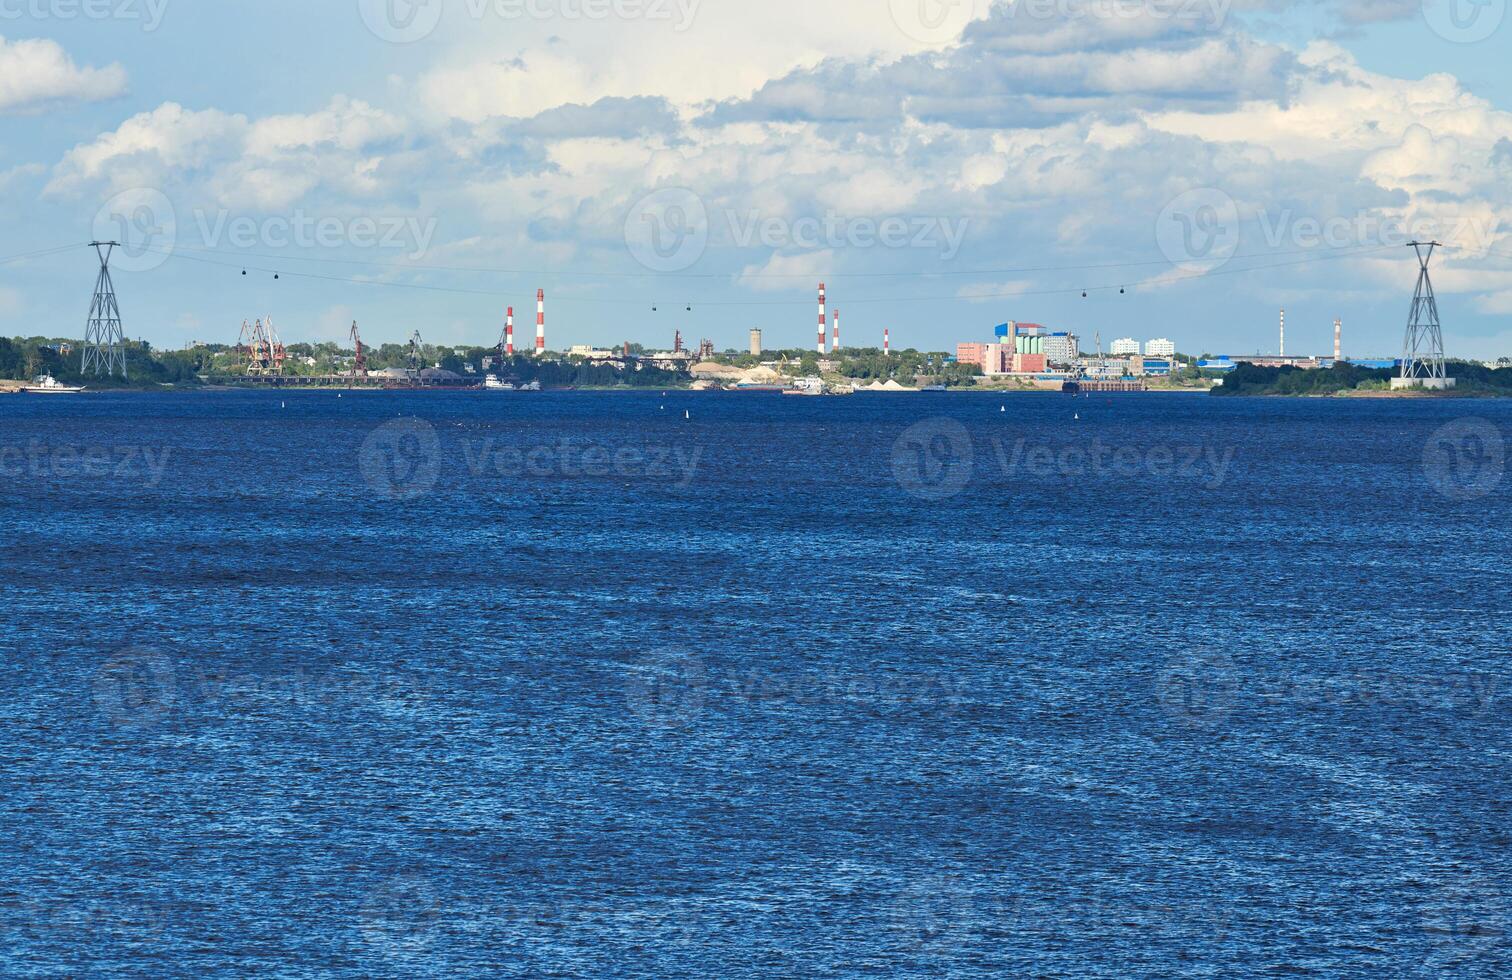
[(1192, 166)]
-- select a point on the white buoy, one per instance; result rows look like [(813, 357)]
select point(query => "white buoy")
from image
[(1077, 419), (283, 404), (1004, 409), (688, 416)]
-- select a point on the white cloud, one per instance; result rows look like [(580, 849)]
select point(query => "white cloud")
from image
[(37, 73), (225, 160), (780, 272)]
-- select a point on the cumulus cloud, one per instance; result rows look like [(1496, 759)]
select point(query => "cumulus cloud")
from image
[(36, 74), (1016, 69), (226, 158)]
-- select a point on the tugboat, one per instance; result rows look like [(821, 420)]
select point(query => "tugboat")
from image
[(49, 385)]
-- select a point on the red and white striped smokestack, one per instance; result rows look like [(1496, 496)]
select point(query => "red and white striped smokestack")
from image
[(540, 321), (509, 332), (823, 321), (837, 330), (1338, 340), (887, 342)]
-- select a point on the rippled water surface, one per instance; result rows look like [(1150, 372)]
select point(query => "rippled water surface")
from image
[(634, 685)]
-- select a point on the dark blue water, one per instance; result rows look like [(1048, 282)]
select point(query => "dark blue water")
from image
[(573, 685)]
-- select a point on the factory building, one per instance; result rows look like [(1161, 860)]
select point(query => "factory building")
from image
[(1061, 349), (756, 343), (1139, 367)]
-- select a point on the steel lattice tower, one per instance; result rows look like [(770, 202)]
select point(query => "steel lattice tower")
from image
[(104, 340), (1423, 350)]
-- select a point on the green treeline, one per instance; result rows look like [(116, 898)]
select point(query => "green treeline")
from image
[(1249, 379), (23, 359)]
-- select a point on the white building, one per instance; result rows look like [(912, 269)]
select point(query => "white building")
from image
[(1159, 348), (1060, 348), (1125, 347)]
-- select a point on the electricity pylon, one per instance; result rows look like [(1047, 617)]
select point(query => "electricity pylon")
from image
[(104, 340)]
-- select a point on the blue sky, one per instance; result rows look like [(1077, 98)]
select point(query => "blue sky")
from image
[(942, 167)]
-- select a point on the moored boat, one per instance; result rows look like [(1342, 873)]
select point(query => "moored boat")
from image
[(48, 385)]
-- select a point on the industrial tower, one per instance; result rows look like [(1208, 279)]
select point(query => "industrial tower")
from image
[(1423, 349), (359, 363), (104, 340)]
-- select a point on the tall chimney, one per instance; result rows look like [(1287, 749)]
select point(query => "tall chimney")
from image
[(509, 332), (823, 322), (540, 322), (1338, 341), (1283, 331)]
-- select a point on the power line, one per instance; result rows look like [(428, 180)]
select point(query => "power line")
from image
[(41, 252), (1070, 290), (802, 276)]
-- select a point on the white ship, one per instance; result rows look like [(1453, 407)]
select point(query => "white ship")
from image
[(492, 383), (49, 385)]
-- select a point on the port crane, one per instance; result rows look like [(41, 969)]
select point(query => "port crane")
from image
[(359, 363), (415, 347), (262, 348)]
